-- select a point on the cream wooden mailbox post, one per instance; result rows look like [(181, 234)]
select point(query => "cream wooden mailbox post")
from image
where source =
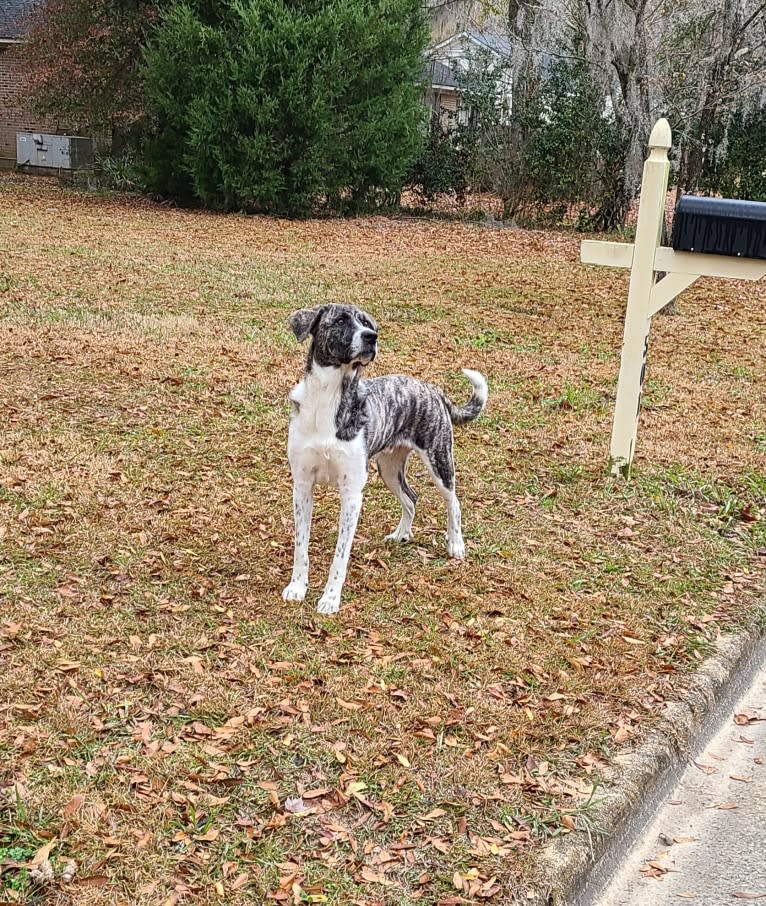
[(647, 295)]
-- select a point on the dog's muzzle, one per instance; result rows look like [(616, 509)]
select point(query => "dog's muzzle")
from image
[(369, 342)]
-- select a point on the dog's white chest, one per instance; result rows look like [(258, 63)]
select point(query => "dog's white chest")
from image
[(313, 449)]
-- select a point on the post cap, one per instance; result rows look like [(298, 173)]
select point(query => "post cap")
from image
[(661, 135)]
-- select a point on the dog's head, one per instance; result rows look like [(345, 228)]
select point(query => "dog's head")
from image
[(341, 334)]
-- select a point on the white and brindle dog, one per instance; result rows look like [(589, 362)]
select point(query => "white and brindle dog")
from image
[(340, 422)]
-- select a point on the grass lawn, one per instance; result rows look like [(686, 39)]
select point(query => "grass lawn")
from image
[(173, 727)]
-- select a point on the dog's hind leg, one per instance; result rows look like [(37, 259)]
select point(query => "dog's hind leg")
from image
[(303, 503), (393, 470), (441, 465)]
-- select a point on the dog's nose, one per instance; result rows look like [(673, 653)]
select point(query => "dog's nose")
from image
[(369, 336)]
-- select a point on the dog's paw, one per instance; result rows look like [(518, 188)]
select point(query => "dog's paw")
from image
[(456, 549), (295, 591), (399, 536), (328, 604)]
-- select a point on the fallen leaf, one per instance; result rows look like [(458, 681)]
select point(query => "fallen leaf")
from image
[(66, 666), (356, 787), (373, 877), (434, 814), (93, 881), (73, 805), (386, 810), (42, 854), (747, 716)]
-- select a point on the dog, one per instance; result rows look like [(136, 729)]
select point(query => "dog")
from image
[(339, 422)]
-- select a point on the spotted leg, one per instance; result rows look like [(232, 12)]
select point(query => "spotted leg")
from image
[(442, 468), (303, 502), (350, 507)]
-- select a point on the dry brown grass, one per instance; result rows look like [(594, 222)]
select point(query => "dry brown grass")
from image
[(160, 704)]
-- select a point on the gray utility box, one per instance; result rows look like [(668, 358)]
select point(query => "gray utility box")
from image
[(60, 152)]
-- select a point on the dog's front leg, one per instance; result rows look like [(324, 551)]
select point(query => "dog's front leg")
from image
[(350, 507), (303, 503)]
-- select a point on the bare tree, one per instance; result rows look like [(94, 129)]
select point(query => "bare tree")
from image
[(713, 59), (690, 60), (620, 46)]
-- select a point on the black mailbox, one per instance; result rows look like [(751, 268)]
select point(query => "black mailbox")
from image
[(720, 226)]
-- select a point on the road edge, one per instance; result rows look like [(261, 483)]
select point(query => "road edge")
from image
[(572, 870)]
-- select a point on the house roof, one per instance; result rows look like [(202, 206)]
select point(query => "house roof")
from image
[(440, 75), (12, 15), (494, 43)]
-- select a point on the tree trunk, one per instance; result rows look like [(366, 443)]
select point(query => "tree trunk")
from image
[(617, 45)]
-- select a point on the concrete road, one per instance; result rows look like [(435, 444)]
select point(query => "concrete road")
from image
[(707, 843)]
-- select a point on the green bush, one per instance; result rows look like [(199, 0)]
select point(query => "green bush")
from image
[(286, 106), (121, 172), (575, 153), (442, 167), (493, 138), (556, 148), (740, 170)]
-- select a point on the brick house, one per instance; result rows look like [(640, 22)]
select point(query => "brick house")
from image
[(15, 115)]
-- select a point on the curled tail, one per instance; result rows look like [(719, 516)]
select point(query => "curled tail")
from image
[(477, 402)]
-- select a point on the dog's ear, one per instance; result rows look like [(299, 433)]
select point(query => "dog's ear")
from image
[(305, 320)]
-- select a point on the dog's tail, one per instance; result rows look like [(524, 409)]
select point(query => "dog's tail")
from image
[(462, 414)]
